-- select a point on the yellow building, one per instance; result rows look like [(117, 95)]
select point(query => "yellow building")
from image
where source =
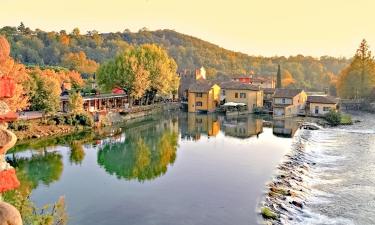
[(320, 105), (203, 96), (289, 102), (238, 92)]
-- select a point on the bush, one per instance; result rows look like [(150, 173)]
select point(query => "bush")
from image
[(333, 118), (84, 120), (346, 119), (20, 125), (268, 214), (59, 120)]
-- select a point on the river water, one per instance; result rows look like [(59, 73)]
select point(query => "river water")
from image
[(173, 169), (332, 171)]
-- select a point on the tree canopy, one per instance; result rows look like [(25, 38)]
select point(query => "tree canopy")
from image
[(140, 69), (358, 79), (52, 48)]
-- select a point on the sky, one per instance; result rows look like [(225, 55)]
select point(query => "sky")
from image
[(255, 27)]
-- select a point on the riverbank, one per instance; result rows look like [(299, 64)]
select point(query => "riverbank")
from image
[(66, 124)]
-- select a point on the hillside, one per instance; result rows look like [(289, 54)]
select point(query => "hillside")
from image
[(53, 48)]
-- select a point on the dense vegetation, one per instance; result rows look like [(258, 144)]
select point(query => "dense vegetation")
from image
[(83, 52), (358, 79)]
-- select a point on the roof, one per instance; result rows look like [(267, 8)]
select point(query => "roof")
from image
[(322, 99), (234, 85), (269, 90), (201, 86), (240, 76), (92, 97), (262, 79), (286, 93)]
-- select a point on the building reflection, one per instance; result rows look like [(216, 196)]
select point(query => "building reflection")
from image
[(285, 127), (193, 125), (242, 127)]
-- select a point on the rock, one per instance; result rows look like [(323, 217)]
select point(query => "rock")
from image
[(9, 215), (298, 204)]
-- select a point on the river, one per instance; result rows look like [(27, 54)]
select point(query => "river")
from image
[(176, 168)]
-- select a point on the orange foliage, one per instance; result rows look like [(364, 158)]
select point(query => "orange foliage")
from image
[(62, 77), (287, 79), (17, 72), (78, 61), (64, 39)]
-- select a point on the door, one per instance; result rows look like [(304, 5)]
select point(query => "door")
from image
[(316, 109)]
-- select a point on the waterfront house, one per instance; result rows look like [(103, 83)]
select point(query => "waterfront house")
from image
[(203, 96), (288, 102), (268, 97), (99, 103), (187, 78), (319, 105), (263, 82), (242, 78), (237, 92)]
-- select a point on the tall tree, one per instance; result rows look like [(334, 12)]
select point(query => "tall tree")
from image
[(127, 72), (358, 79), (278, 81), (17, 72)]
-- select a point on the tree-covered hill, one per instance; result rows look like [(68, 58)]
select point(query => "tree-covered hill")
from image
[(83, 52)]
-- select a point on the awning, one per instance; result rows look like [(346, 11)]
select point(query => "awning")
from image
[(234, 104)]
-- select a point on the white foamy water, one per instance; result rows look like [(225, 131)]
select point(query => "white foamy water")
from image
[(339, 187)]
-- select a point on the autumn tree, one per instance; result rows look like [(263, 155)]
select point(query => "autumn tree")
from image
[(17, 72), (162, 68), (287, 79), (127, 72), (75, 103), (79, 62), (358, 79), (47, 94)]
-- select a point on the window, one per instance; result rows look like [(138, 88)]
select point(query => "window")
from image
[(283, 100), (199, 94), (223, 92), (242, 95), (198, 103), (326, 109), (236, 95)]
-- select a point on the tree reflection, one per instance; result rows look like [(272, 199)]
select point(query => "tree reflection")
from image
[(41, 168), (144, 155), (77, 153)]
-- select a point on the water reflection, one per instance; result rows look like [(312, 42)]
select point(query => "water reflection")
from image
[(285, 127), (145, 153), (242, 126), (193, 125)]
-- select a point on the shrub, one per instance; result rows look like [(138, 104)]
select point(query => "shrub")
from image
[(268, 213), (20, 125), (346, 119), (59, 120), (84, 120), (333, 118)]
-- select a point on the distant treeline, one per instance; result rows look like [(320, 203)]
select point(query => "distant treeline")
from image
[(83, 52)]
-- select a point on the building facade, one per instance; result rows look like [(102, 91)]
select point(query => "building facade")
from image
[(238, 92), (203, 96), (288, 102), (321, 105)]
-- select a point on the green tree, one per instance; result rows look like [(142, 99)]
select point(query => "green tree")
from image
[(279, 81), (75, 103), (358, 79), (127, 72), (46, 97)]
